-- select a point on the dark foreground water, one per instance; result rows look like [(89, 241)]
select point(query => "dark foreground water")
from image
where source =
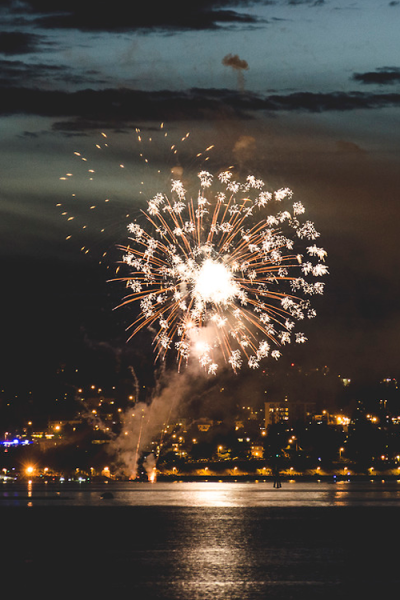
[(202, 541)]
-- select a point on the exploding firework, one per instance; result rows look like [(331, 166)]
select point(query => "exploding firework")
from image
[(217, 276)]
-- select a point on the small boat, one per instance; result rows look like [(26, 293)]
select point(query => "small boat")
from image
[(106, 495)]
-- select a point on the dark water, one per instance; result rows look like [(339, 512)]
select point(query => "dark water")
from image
[(157, 549)]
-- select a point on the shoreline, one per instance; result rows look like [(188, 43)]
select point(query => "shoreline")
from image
[(216, 478)]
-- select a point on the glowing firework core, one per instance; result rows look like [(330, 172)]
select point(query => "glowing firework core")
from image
[(219, 281), (214, 283)]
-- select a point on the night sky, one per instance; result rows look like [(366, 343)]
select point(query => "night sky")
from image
[(303, 93)]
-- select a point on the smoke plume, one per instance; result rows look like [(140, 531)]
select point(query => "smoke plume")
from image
[(234, 62), (143, 423)]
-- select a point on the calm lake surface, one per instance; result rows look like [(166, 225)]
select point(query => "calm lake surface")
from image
[(202, 541), (202, 494)]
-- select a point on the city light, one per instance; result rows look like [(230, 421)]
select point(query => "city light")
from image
[(15, 442), (207, 450)]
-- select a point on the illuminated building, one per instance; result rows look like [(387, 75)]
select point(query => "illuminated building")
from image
[(287, 411), (276, 412)]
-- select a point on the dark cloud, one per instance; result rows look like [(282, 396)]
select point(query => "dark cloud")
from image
[(14, 71), (333, 101), (120, 16), (382, 76), (120, 106), (310, 2), (17, 42), (146, 20), (173, 16)]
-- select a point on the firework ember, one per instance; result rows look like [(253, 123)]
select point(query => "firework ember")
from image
[(219, 276)]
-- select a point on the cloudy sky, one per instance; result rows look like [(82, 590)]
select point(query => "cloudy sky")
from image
[(303, 93)]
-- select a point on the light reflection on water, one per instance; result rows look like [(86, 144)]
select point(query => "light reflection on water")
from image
[(206, 541), (202, 494)]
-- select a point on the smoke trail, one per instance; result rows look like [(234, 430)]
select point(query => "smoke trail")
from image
[(144, 422), (233, 61), (136, 380), (237, 64), (149, 464), (244, 150)]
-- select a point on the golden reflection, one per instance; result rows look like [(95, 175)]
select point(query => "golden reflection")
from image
[(212, 494)]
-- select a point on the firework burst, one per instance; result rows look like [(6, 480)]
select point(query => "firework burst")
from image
[(218, 276)]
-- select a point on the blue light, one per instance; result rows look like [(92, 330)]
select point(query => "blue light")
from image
[(15, 442)]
